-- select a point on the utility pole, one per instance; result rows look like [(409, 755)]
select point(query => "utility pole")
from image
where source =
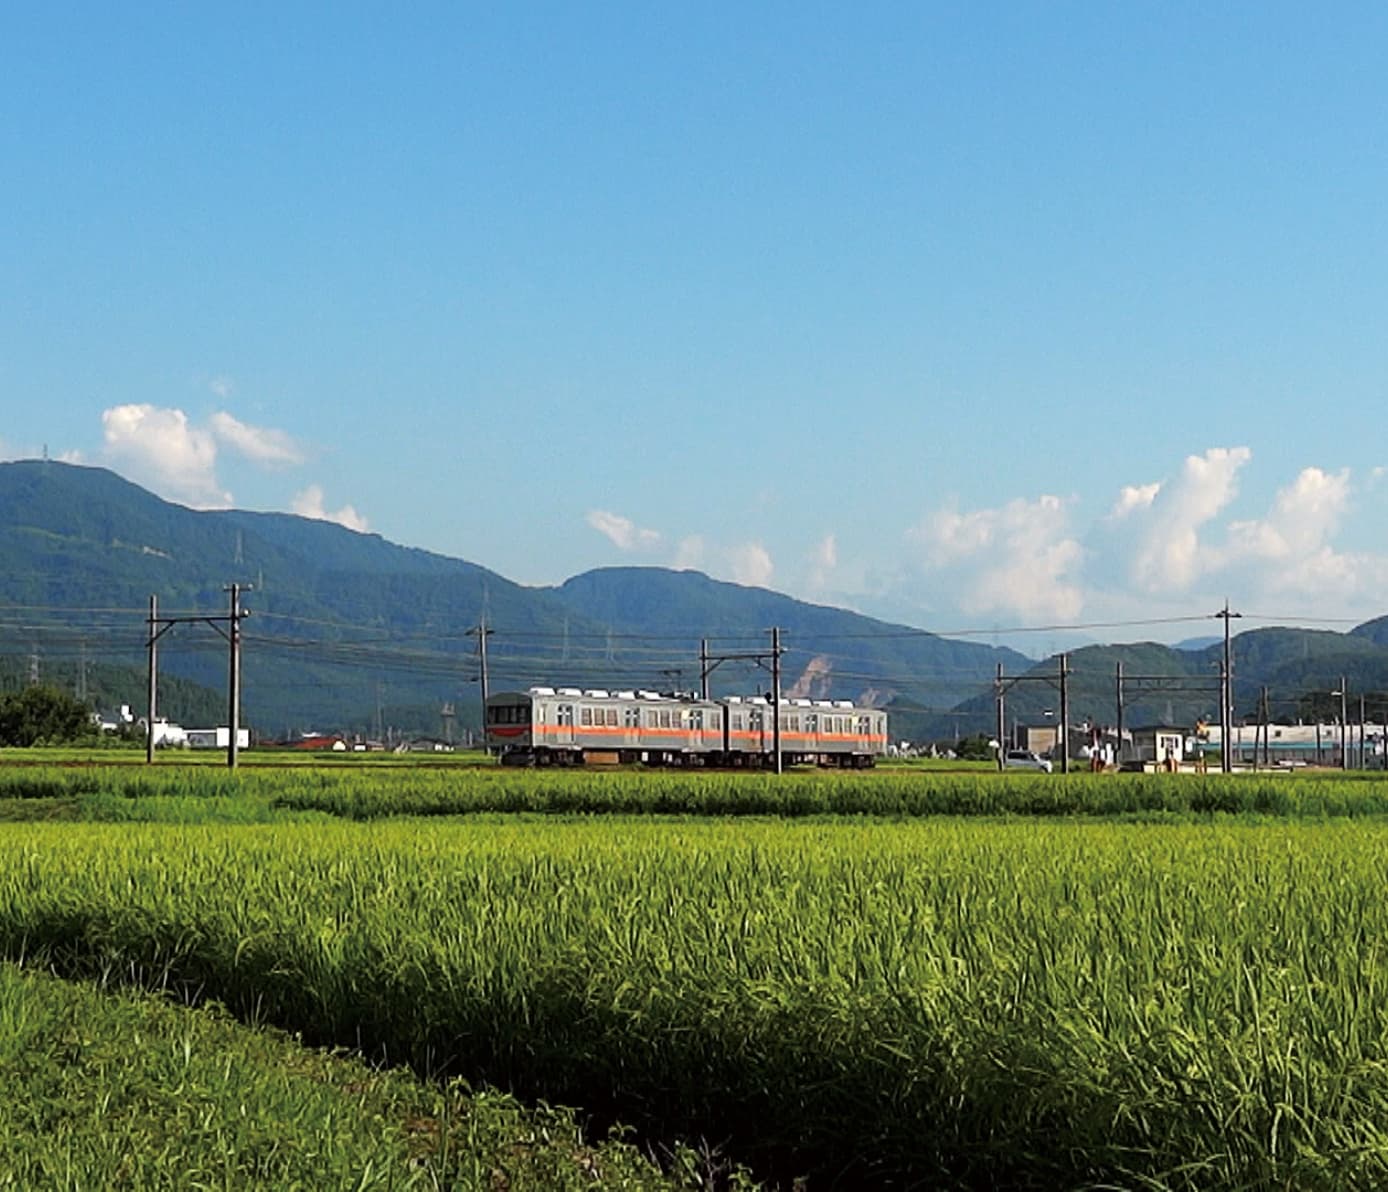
[(1064, 714), (1361, 731), (776, 695), (703, 669), (1226, 695), (1002, 719), (234, 675), (1118, 684), (154, 632), (1344, 726), (1342, 692), (1267, 731), (481, 633)]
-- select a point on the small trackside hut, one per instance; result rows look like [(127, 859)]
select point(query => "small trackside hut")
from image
[(567, 726)]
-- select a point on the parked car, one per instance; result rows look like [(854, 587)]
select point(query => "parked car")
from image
[(1024, 759)]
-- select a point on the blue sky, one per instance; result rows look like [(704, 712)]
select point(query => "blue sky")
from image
[(970, 316)]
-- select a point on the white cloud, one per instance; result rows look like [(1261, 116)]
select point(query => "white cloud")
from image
[(1169, 555), (309, 503), (161, 449), (751, 564), (689, 554), (1290, 549), (1303, 516), (164, 450), (223, 387), (1018, 558), (258, 444), (622, 531), (824, 558), (1134, 497)]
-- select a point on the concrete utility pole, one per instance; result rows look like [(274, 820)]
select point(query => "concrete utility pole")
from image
[(1226, 696), (1343, 693), (481, 633), (154, 632), (234, 675), (776, 695), (1000, 691), (1064, 714)]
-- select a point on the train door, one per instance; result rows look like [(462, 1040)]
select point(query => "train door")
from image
[(564, 724), (757, 723)]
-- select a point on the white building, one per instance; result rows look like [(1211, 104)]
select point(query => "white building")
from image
[(217, 738)]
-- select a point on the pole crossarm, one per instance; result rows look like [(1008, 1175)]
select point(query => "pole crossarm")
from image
[(767, 660), (1008, 684), (1147, 684), (228, 625), (1059, 683)]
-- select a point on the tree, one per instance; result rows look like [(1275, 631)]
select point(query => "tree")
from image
[(42, 714), (976, 748)]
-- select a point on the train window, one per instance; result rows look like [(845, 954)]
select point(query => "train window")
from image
[(631, 717), (738, 722), (696, 718), (664, 717), (585, 717), (864, 725), (716, 719), (611, 717), (564, 715)]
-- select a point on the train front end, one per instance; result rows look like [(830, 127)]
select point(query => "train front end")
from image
[(510, 727)]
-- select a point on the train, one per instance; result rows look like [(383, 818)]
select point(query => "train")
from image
[(545, 726)]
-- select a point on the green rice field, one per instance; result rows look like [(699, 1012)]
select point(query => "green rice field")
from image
[(894, 979)]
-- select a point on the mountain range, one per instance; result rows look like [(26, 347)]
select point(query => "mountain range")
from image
[(351, 632)]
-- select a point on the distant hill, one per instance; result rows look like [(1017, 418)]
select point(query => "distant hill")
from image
[(351, 631), (1198, 643), (828, 652), (1167, 685)]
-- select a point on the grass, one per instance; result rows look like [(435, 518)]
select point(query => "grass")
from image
[(265, 794), (1033, 1003), (122, 1089)]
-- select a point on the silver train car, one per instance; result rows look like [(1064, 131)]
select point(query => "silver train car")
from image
[(568, 726)]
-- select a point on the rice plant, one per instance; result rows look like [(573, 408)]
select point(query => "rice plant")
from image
[(1025, 1003)]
